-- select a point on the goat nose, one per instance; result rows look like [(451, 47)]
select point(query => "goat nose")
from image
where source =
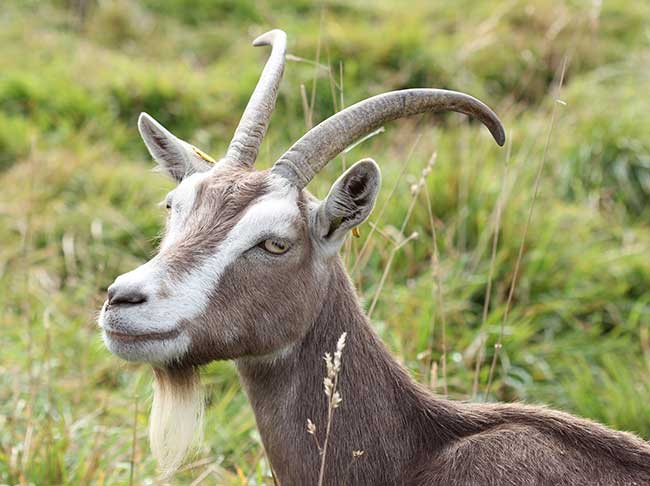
[(124, 294)]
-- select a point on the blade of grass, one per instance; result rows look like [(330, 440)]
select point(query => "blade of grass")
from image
[(538, 178), (493, 256)]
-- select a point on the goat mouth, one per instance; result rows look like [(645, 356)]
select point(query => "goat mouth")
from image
[(134, 338)]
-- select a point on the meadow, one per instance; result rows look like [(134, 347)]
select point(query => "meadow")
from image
[(513, 274)]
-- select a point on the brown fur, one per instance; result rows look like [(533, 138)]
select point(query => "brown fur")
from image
[(277, 316), (244, 318), (411, 437)]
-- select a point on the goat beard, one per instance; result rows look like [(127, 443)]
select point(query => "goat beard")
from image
[(176, 421)]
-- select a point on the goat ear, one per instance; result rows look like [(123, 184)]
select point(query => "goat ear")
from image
[(175, 157), (348, 203)]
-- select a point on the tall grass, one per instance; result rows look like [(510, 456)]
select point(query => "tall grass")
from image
[(520, 253)]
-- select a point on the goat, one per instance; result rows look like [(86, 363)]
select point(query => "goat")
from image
[(248, 270)]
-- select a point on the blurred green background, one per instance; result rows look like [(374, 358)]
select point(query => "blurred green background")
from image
[(78, 205)]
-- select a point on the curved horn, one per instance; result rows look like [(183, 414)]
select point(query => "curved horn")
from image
[(325, 141), (253, 124)]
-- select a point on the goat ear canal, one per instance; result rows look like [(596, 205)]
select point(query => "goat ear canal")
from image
[(333, 225), (349, 201)]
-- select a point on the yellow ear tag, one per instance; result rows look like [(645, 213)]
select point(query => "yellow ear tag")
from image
[(355, 232), (203, 155)]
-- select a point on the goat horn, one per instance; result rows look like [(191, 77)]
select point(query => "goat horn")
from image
[(326, 140), (253, 124)]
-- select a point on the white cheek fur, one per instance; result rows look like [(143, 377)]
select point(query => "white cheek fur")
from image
[(188, 298)]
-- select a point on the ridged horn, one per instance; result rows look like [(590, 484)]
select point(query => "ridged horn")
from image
[(326, 140), (252, 127)]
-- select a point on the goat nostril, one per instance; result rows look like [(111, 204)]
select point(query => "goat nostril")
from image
[(121, 295)]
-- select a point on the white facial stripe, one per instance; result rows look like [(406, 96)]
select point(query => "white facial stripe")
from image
[(271, 215)]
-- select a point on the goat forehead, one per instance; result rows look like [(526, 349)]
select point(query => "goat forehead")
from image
[(237, 206), (224, 198)]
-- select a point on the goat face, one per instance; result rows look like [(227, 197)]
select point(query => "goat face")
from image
[(245, 252), (241, 263)]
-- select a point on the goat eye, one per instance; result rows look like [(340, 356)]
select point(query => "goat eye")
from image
[(276, 247), (168, 201)]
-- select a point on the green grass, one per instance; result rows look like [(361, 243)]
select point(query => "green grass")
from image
[(78, 205)]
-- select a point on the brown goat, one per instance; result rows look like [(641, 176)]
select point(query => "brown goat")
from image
[(249, 270)]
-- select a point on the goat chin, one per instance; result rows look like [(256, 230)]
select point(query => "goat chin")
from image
[(176, 421)]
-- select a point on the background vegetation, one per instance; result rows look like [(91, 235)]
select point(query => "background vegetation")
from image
[(78, 205)]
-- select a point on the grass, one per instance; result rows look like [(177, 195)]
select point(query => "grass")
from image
[(78, 206)]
